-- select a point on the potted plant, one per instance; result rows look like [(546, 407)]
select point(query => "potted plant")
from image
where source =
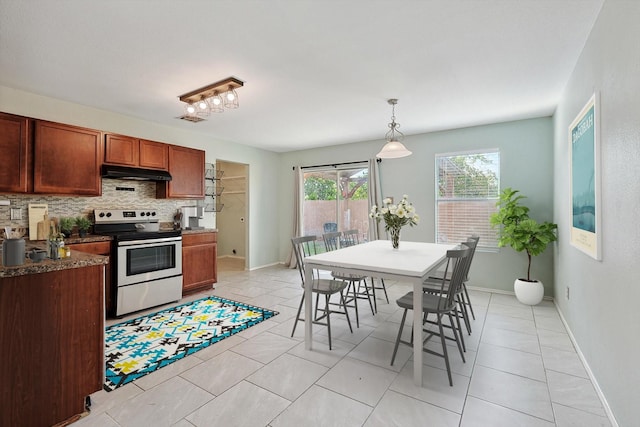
[(66, 225), (522, 233), (83, 224)]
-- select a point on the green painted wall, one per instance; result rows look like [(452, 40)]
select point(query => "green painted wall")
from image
[(526, 149)]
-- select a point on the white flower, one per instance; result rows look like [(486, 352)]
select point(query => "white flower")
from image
[(396, 215)]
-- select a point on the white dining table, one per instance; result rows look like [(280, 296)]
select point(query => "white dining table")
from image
[(411, 262)]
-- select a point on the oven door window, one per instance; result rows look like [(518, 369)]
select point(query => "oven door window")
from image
[(149, 259)]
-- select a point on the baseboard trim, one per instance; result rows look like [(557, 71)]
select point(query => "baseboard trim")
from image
[(499, 291), (265, 266), (594, 381), (230, 256)]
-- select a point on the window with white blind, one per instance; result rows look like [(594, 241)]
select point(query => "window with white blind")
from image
[(468, 187)]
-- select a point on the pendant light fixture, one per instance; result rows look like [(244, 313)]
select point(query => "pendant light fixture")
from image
[(393, 149)]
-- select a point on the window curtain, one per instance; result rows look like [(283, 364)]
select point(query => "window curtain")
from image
[(375, 197), (297, 211)]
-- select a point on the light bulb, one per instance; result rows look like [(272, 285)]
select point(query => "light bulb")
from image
[(202, 105), (216, 100), (191, 109), (230, 96)]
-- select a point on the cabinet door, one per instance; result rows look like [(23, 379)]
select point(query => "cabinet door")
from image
[(154, 155), (67, 160), (99, 248), (15, 161), (186, 166), (199, 255), (121, 150)]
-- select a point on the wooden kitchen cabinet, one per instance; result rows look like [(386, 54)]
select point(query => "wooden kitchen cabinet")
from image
[(52, 352), (186, 166), (128, 151), (67, 160), (99, 248), (199, 254), (154, 155), (15, 161)]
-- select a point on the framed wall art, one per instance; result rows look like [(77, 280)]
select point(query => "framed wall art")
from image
[(584, 157)]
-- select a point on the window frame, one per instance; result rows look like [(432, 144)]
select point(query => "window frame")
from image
[(492, 247)]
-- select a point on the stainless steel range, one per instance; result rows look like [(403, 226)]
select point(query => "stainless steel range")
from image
[(147, 262)]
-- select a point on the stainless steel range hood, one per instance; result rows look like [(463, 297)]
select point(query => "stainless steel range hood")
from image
[(124, 172)]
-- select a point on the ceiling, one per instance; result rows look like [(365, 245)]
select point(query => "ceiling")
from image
[(316, 72)]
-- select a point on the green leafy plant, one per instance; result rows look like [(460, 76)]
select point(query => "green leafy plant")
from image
[(66, 225), (83, 223), (519, 231)]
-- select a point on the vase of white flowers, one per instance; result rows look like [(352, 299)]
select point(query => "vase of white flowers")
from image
[(395, 217)]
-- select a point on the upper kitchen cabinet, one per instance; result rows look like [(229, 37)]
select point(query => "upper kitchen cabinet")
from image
[(154, 155), (186, 166), (15, 162), (128, 151), (67, 160)]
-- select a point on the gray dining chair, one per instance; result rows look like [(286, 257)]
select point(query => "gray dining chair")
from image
[(303, 247), (356, 282), (441, 304), (352, 237), (463, 295)]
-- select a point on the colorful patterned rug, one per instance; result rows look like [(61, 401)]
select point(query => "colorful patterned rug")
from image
[(140, 346)]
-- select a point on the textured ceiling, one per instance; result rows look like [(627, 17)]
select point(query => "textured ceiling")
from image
[(316, 72)]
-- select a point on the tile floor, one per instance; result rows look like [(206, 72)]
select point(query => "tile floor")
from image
[(521, 370)]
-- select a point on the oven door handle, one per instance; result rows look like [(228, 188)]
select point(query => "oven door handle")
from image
[(149, 241)]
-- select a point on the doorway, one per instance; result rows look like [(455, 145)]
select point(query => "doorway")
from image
[(232, 217)]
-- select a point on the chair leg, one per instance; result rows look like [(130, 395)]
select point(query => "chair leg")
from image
[(346, 313), (395, 348), (455, 335), (464, 347), (366, 288), (444, 348), (384, 288), (297, 316), (355, 302), (468, 300), (328, 312), (373, 290), (463, 311)]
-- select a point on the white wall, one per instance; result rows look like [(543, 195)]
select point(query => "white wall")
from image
[(602, 311), (262, 163), (526, 149)]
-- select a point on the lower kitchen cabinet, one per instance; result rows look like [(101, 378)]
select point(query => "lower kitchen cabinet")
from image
[(52, 351), (99, 248), (199, 268)]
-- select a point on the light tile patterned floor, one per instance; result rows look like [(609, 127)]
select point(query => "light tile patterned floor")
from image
[(521, 370)]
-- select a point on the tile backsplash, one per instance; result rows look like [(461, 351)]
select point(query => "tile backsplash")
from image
[(116, 194)]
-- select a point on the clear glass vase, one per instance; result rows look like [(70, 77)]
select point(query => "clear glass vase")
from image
[(395, 237)]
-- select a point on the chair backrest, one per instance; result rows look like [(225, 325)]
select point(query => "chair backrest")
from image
[(457, 263), (351, 237), (472, 242), (303, 247), (330, 227), (331, 240)]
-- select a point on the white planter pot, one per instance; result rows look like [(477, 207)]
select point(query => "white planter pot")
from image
[(529, 293)]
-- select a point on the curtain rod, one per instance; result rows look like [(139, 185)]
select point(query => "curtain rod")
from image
[(331, 164)]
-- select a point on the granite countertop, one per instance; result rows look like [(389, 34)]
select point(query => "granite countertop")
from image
[(204, 230), (76, 260)]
